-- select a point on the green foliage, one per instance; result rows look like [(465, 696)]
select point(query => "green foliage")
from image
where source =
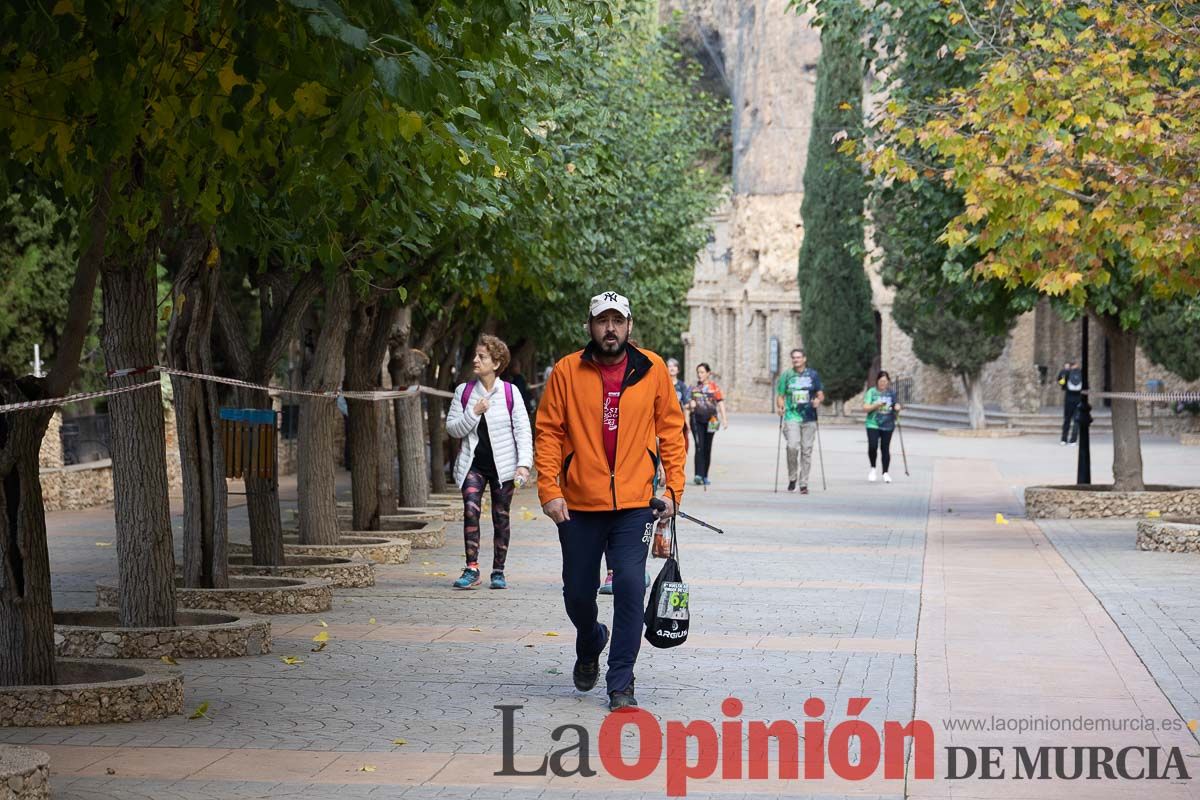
[(836, 323), (37, 266), (1170, 336), (943, 339)]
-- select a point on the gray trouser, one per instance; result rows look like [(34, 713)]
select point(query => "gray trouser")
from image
[(800, 437)]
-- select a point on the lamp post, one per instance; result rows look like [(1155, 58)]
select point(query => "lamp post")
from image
[(1083, 475)]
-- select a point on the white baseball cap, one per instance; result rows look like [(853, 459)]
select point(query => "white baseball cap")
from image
[(609, 300)]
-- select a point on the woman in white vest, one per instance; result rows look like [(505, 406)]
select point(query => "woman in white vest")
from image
[(489, 415)]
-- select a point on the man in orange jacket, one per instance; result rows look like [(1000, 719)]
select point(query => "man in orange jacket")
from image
[(607, 414)]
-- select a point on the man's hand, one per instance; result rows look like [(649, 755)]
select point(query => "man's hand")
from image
[(523, 474), (481, 407), (556, 510), (669, 511)]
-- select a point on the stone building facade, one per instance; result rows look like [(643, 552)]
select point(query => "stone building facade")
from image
[(744, 291)]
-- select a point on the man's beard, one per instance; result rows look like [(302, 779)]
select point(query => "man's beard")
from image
[(612, 346)]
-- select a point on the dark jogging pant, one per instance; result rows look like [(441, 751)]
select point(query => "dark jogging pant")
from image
[(879, 440), (618, 536), (1071, 403)]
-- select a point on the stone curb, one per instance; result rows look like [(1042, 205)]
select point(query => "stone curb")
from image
[(286, 596), (1076, 502), (223, 636), (362, 545), (341, 573), (1169, 535), (122, 692), (24, 773)]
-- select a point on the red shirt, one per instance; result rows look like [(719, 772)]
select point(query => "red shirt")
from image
[(612, 376)]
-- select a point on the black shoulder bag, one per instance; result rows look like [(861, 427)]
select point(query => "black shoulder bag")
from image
[(667, 612)]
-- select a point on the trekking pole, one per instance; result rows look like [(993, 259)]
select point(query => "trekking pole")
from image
[(659, 506), (778, 447), (821, 456), (904, 455)]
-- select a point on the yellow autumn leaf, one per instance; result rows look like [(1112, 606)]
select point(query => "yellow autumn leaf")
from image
[(844, 106), (323, 636), (169, 660), (1155, 514), (498, 173), (291, 660), (463, 158), (955, 18), (410, 124), (366, 768), (399, 741), (371, 621), (201, 711), (550, 633), (310, 98), (323, 623), (1000, 520), (228, 78), (475, 630)]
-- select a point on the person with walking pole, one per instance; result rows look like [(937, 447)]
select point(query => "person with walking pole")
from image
[(609, 413), (798, 392), (881, 407)]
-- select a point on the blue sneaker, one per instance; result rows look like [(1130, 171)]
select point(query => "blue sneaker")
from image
[(498, 581), (707, 482), (698, 480), (468, 580), (606, 587)]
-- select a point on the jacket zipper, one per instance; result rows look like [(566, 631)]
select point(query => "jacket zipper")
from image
[(612, 474)]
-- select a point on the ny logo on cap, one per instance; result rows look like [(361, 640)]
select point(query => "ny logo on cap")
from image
[(612, 296)]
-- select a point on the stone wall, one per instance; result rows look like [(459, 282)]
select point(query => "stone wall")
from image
[(1098, 501), (1169, 535)]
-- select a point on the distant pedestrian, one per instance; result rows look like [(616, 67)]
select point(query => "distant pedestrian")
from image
[(881, 407), (1070, 380), (608, 412), (489, 415), (708, 417), (798, 392)]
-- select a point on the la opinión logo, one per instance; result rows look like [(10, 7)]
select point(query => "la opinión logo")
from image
[(739, 750), (724, 750)]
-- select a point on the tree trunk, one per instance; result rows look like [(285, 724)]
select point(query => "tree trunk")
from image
[(976, 416), (26, 615), (315, 473), (1127, 439), (146, 559), (389, 496), (262, 499), (197, 407), (406, 367), (365, 348), (26, 612), (437, 420)]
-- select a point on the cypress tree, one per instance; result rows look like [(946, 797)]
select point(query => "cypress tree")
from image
[(836, 320)]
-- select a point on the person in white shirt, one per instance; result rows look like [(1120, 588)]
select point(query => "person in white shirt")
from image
[(489, 415)]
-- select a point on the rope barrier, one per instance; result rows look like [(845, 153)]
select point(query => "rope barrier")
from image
[(1156, 397), (374, 396)]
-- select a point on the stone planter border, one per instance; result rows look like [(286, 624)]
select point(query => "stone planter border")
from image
[(1192, 439), (381, 548), (985, 433), (93, 633), (1093, 502), (421, 535), (24, 773), (1169, 535), (95, 692), (259, 595), (342, 573)]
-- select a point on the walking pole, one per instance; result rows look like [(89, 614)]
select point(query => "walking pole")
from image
[(778, 447), (821, 456), (903, 454)]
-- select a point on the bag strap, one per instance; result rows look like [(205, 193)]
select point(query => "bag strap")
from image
[(466, 395)]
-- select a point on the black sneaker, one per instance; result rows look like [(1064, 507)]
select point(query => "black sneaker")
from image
[(803, 490), (587, 671), (791, 486), (622, 699)]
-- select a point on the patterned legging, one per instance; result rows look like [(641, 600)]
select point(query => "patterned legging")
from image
[(472, 492)]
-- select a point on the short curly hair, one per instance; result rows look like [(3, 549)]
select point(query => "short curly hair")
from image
[(497, 349)]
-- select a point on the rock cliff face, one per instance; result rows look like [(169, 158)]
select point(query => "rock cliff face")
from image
[(764, 55)]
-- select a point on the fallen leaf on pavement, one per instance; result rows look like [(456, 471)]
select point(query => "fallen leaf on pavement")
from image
[(1154, 514), (291, 661), (399, 741), (320, 647), (475, 630), (169, 660), (371, 621), (550, 633), (366, 768), (1000, 520), (323, 623), (323, 636), (201, 711)]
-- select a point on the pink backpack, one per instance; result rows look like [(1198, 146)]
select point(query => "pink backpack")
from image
[(508, 398)]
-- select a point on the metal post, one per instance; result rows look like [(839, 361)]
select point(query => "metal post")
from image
[(1083, 476), (37, 361)]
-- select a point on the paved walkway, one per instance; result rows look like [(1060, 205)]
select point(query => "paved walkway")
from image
[(908, 594)]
